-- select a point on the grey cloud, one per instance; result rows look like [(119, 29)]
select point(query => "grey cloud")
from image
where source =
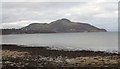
[(75, 11), (59, 0), (17, 11)]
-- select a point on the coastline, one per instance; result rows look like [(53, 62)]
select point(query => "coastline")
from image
[(54, 33), (22, 56)]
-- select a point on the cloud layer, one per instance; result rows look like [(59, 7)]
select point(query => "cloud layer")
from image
[(59, 0), (100, 14)]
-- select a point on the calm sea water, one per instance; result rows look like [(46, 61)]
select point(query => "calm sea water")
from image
[(105, 41)]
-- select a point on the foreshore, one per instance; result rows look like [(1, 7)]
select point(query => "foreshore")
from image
[(44, 57)]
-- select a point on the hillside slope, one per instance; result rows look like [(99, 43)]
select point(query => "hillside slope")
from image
[(63, 25)]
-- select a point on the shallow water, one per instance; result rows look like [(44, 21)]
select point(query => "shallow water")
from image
[(105, 41)]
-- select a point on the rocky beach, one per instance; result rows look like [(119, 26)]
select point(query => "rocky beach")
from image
[(20, 56)]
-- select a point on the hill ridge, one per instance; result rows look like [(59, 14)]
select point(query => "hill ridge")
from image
[(63, 25)]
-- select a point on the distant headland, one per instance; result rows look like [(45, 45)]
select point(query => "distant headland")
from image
[(59, 26)]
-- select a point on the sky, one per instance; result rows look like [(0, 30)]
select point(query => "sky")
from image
[(99, 13)]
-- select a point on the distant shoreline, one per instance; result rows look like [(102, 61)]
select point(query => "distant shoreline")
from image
[(52, 33)]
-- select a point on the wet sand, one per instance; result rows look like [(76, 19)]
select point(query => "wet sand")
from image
[(44, 57)]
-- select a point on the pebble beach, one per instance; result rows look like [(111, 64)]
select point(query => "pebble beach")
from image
[(44, 57)]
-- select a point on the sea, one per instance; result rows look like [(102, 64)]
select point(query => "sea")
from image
[(96, 41)]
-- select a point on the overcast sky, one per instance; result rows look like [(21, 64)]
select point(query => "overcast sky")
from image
[(97, 13)]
